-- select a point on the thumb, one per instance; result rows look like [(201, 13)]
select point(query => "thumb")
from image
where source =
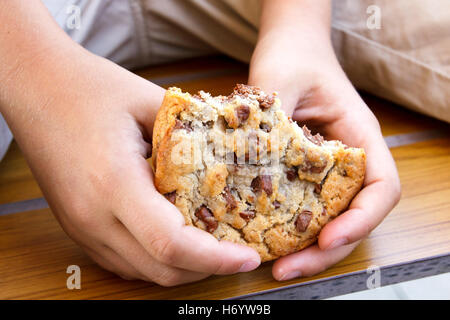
[(160, 228)]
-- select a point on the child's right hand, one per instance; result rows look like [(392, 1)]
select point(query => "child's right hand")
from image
[(87, 148), (83, 124)]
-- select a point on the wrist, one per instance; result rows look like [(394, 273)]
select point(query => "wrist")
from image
[(294, 38), (37, 75), (74, 87), (294, 72)]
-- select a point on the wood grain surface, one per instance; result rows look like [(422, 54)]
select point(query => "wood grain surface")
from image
[(35, 252)]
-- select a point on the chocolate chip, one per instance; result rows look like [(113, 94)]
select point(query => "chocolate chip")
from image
[(243, 112), (316, 139), (205, 215), (171, 196), (324, 211), (245, 90), (247, 215), (309, 167), (317, 188), (229, 198), (266, 102), (291, 174), (265, 127), (318, 169), (263, 182), (276, 204), (188, 127), (303, 220), (182, 125), (178, 124), (314, 169)]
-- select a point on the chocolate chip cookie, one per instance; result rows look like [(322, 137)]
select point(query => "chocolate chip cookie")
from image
[(236, 166)]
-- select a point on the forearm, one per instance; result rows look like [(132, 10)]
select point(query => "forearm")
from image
[(300, 23), (47, 78), (31, 43)]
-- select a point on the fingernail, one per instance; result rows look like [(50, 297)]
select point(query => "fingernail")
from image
[(291, 275), (337, 243), (249, 266)]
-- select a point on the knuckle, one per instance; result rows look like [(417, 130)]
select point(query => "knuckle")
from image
[(164, 249), (367, 227), (85, 219), (81, 211), (397, 191), (126, 276), (313, 269), (169, 278), (220, 267)]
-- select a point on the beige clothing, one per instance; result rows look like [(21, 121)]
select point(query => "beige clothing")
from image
[(179, 29), (407, 60)]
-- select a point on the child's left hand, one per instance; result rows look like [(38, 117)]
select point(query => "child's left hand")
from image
[(316, 92)]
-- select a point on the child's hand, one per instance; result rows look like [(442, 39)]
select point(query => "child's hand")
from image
[(316, 92), (84, 124), (84, 133)]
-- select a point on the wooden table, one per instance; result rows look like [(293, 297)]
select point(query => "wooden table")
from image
[(412, 242)]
